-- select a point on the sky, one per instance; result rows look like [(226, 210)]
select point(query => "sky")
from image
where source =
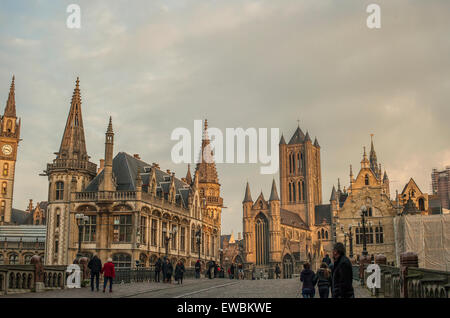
[(158, 65)]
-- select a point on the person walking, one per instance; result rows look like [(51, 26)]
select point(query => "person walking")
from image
[(179, 272), (327, 260), (95, 265), (198, 266), (277, 272), (323, 280), (164, 270), (169, 271), (240, 272), (109, 274), (232, 269), (158, 266), (342, 275), (308, 278)]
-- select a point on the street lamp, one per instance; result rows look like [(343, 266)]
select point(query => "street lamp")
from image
[(363, 220), (81, 221), (169, 236), (198, 236), (350, 239)]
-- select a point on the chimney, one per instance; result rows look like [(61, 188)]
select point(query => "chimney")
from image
[(136, 156), (101, 166)]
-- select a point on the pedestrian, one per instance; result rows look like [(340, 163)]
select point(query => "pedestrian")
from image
[(277, 272), (342, 275), (327, 260), (210, 267), (109, 273), (232, 271), (168, 270), (179, 272), (95, 265), (308, 277), (240, 271), (198, 266), (323, 280), (158, 266), (253, 273)]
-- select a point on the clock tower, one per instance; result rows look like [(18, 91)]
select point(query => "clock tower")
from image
[(9, 141)]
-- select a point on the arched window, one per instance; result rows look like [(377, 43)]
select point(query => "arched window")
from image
[(5, 169), (318, 235), (298, 162), (326, 235), (122, 260), (299, 191), (290, 192), (294, 193), (322, 233), (357, 236), (421, 204), (369, 212), (9, 125), (366, 178), (13, 259), (27, 259), (379, 235), (4, 188), (262, 240), (290, 163), (59, 190), (303, 191)]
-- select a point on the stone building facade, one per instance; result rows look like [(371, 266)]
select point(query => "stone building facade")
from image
[(282, 230), (370, 189), (135, 212)]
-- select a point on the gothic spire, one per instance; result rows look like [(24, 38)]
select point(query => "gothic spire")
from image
[(188, 175), (333, 196), (274, 193), (73, 145), (364, 161), (282, 141), (10, 109), (206, 165), (373, 157), (248, 195)]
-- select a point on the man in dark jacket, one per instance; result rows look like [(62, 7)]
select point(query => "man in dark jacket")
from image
[(198, 266), (95, 265), (308, 278), (277, 272), (232, 271), (179, 272), (158, 266), (342, 277), (327, 260)]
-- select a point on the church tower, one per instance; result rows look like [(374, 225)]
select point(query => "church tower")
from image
[(209, 192), (9, 142), (300, 175), (70, 171)]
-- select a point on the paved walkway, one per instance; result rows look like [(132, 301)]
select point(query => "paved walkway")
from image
[(202, 288)]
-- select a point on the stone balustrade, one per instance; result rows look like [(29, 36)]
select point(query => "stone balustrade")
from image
[(72, 164)]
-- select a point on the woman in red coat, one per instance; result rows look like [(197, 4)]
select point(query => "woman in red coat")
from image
[(108, 274)]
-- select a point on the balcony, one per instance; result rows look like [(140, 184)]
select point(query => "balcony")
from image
[(72, 164), (105, 196)]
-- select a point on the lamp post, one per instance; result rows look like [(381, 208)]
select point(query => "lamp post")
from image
[(167, 237), (350, 240), (345, 235), (81, 221), (198, 236), (363, 221)]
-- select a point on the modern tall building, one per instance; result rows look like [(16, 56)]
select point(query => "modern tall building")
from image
[(440, 181), (133, 211), (294, 227), (9, 142)]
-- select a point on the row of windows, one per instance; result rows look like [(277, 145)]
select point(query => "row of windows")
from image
[(297, 191), (322, 234), (5, 169), (296, 163), (13, 259), (372, 235)]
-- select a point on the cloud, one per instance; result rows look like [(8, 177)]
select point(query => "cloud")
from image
[(158, 65)]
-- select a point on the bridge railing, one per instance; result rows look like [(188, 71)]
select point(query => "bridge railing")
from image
[(144, 274)]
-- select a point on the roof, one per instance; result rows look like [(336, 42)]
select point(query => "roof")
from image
[(298, 137), (20, 217), (125, 170), (274, 193), (322, 212), (292, 219), (28, 233)]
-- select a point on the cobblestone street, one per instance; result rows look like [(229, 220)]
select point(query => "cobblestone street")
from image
[(202, 288)]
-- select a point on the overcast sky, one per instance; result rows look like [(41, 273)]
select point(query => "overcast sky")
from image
[(158, 65)]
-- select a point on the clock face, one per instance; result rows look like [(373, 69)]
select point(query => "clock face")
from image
[(7, 150)]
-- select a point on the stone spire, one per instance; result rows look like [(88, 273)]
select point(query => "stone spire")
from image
[(73, 145), (373, 158), (365, 162), (248, 195), (188, 175), (333, 196), (274, 193), (282, 141), (316, 143), (307, 137), (107, 183), (10, 109), (206, 166)]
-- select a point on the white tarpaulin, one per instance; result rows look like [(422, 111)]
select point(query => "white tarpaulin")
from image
[(426, 235)]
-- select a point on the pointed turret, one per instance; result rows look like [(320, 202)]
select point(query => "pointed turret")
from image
[(373, 158), (274, 193), (333, 196), (107, 183), (10, 109), (339, 184), (73, 145), (364, 161), (282, 141), (248, 195), (206, 166), (316, 143), (385, 176), (188, 175), (307, 138)]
